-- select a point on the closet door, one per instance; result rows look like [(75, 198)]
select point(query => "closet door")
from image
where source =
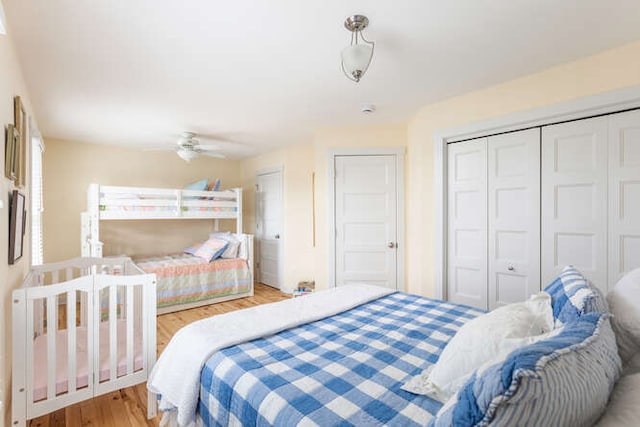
[(574, 199), (514, 216), (467, 223), (624, 194)]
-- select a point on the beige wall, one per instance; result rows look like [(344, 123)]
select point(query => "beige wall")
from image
[(11, 84), (69, 168), (303, 260)]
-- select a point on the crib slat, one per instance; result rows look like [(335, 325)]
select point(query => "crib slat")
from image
[(71, 341), (30, 337), (55, 277), (69, 273), (38, 312), (84, 304), (52, 330), (130, 322), (113, 331)]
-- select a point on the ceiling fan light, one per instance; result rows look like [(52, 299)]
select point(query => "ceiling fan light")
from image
[(356, 59), (187, 155)]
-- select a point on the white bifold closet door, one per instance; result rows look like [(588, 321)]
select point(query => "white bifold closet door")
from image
[(494, 219), (624, 194), (514, 216), (467, 223), (574, 199)]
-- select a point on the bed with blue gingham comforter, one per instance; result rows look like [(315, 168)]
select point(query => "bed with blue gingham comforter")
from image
[(344, 370)]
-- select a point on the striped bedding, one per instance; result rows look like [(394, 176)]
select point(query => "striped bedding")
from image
[(346, 369), (184, 278)]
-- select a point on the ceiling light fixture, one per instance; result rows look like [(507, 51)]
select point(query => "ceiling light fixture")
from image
[(187, 155), (357, 56)]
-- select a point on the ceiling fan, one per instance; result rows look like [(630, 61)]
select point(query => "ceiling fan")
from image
[(188, 148)]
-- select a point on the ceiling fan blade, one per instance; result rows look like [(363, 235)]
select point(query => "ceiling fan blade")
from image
[(160, 148), (212, 154), (210, 147)]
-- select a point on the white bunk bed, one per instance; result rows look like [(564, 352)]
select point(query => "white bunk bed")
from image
[(106, 203), (81, 328)]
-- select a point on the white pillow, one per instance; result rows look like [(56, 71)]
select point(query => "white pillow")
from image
[(232, 247), (624, 304), (623, 408), (483, 339)]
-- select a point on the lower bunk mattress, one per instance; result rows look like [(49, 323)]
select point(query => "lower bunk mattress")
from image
[(346, 369), (183, 278)]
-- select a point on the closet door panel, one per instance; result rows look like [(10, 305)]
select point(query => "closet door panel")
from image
[(574, 199), (514, 216), (467, 223), (624, 194)]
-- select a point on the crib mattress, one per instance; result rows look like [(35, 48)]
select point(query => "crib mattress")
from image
[(183, 278), (40, 370)]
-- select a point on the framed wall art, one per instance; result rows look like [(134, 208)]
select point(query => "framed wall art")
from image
[(17, 225), (12, 140), (21, 122)]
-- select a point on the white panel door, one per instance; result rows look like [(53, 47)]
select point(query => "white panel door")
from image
[(624, 194), (269, 228), (467, 223), (366, 220), (574, 199), (514, 216)]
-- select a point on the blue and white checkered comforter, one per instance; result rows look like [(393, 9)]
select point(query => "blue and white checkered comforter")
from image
[(343, 370)]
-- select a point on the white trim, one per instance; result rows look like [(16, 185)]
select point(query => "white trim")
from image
[(604, 103), (268, 171), (399, 153), (36, 148)]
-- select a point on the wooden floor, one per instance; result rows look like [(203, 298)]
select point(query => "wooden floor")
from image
[(128, 407)]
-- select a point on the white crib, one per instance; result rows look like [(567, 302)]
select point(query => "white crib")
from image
[(81, 328)]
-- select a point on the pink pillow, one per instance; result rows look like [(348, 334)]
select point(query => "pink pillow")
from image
[(211, 249)]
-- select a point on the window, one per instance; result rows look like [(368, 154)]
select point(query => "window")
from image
[(37, 148)]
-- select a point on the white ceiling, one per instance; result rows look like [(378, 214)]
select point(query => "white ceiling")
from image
[(267, 73)]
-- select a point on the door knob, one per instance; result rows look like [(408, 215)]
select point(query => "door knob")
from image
[(391, 245), (277, 236), (511, 268)]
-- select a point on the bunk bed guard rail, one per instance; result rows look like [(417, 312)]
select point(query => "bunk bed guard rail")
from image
[(126, 203)]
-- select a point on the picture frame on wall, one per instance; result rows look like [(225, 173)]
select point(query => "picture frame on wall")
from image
[(17, 225), (12, 140), (21, 122)]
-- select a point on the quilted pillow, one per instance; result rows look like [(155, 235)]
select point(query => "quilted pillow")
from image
[(232, 248), (211, 249), (572, 296), (563, 380)]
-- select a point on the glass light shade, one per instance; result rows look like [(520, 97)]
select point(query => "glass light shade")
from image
[(187, 155), (356, 58)]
